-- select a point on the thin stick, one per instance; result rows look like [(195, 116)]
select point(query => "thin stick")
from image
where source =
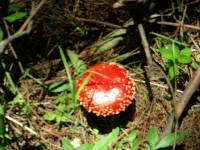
[(178, 25), (98, 22), (145, 44), (21, 125), (156, 84), (32, 14), (5, 42), (190, 89), (12, 49)]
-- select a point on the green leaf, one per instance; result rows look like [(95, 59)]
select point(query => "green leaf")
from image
[(14, 7), (185, 56), (170, 53), (132, 136), (78, 64), (175, 52), (104, 143), (197, 58), (184, 59), (65, 117), (73, 58), (134, 144), (16, 16), (172, 72), (1, 110), (1, 34), (49, 116), (66, 144), (58, 87), (62, 98), (186, 52), (2, 147), (152, 136), (85, 147), (168, 140), (61, 107)]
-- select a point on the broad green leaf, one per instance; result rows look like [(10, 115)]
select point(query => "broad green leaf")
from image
[(184, 59), (172, 72), (85, 147), (170, 53), (49, 116), (132, 136), (1, 34), (185, 56), (66, 144), (168, 140), (105, 142), (1, 110), (16, 16), (58, 87), (186, 52), (152, 136)]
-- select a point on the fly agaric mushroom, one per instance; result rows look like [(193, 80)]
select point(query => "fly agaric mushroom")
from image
[(108, 91)]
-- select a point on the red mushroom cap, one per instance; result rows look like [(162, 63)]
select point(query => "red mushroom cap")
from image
[(108, 91)]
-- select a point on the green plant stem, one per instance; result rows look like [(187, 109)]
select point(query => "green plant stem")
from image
[(174, 96)]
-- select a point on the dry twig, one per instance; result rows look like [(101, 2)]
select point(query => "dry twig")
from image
[(21, 125), (27, 24), (5, 42), (178, 25), (145, 44)]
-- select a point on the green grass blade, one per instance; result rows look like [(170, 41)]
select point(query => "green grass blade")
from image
[(67, 69), (11, 83), (168, 39), (86, 80)]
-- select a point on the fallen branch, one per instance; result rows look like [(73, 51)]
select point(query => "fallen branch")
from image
[(181, 105), (5, 42), (190, 89), (27, 24)]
